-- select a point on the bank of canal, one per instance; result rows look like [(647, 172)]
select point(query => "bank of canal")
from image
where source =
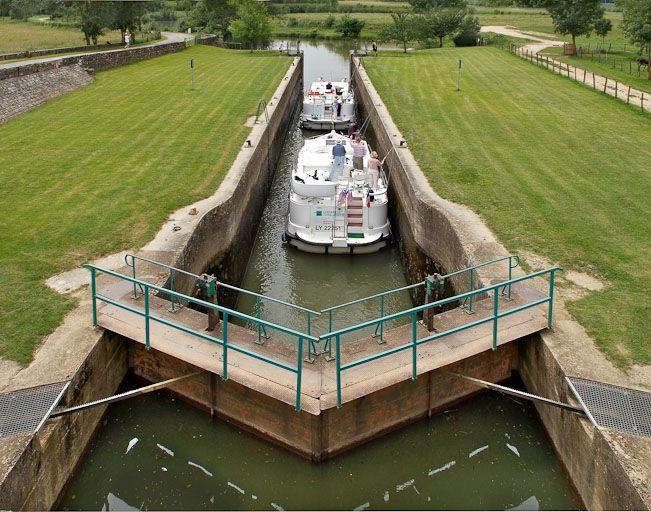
[(489, 452)]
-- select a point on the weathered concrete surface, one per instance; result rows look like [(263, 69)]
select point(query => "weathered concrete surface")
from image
[(321, 436), (455, 236), (20, 94), (34, 469)]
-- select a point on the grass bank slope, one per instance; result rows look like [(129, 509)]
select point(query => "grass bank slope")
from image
[(98, 170), (553, 168)]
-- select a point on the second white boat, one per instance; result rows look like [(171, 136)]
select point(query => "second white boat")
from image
[(336, 214)]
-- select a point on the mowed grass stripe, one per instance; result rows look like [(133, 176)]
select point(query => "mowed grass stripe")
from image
[(99, 169), (553, 167)]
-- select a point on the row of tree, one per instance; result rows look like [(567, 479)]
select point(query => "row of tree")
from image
[(431, 21), (96, 17)]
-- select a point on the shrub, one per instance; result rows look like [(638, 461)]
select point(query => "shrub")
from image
[(329, 22), (350, 27), (465, 39)]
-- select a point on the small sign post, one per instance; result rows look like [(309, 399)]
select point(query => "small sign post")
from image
[(192, 67), (459, 77)]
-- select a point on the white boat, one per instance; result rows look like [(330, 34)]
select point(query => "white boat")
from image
[(344, 216), (320, 106)]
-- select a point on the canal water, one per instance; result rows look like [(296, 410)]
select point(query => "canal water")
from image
[(157, 452)]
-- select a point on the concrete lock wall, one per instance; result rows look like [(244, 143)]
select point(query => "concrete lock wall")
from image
[(456, 238), (34, 479), (335, 430)]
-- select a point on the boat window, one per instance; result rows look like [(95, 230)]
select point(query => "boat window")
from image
[(330, 142)]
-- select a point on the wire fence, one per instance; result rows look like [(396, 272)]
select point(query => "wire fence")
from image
[(602, 83), (630, 63)]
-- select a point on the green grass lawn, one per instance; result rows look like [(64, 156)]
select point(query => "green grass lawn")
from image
[(552, 166), (16, 36), (99, 169)]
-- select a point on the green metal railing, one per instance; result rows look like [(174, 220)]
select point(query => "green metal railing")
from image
[(430, 282), (513, 262), (130, 260), (226, 315), (497, 291)]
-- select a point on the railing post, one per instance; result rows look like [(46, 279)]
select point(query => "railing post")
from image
[(225, 345), (379, 328), (172, 309), (146, 292), (133, 274), (258, 314), (495, 312), (311, 347), (472, 288), (299, 371), (428, 314), (93, 295), (414, 347), (338, 365), (327, 349), (551, 298)]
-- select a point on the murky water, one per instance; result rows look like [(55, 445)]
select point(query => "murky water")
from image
[(489, 453), (156, 452)]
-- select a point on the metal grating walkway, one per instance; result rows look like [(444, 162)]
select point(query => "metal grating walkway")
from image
[(613, 406), (24, 411)]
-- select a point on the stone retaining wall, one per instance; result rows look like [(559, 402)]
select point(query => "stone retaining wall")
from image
[(94, 61), (23, 93), (56, 51)]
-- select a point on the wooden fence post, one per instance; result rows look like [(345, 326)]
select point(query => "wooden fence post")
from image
[(606, 84), (628, 95), (584, 73), (616, 88), (594, 83)]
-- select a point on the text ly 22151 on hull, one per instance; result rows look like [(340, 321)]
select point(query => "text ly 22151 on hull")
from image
[(336, 214), (328, 105)]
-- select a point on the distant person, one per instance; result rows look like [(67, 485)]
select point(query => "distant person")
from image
[(374, 47), (338, 162), (127, 38), (355, 46), (329, 86), (359, 150), (338, 100)]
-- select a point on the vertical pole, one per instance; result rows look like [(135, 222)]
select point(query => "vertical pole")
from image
[(616, 88), (213, 314), (299, 372), (594, 82), (495, 312), (93, 293), (471, 289), (133, 274), (551, 298), (146, 291), (309, 323), (606, 84), (225, 345), (459, 76), (508, 297), (172, 309), (258, 315), (414, 347), (382, 316), (338, 365)]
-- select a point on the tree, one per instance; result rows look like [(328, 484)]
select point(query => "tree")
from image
[(441, 22), (93, 18), (350, 27), (636, 23), (21, 9), (427, 5), (402, 30), (128, 16), (602, 26), (468, 33), (574, 17), (252, 26), (214, 16)]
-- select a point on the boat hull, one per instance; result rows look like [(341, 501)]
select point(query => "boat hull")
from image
[(328, 248)]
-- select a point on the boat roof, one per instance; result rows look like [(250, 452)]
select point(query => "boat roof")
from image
[(317, 152), (320, 85)]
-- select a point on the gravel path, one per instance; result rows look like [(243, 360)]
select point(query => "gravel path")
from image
[(604, 84)]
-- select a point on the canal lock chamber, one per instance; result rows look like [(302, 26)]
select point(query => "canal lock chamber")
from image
[(488, 451)]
